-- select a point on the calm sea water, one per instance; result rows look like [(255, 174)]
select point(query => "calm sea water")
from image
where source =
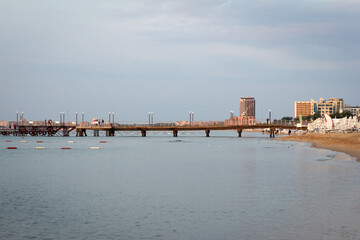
[(190, 187)]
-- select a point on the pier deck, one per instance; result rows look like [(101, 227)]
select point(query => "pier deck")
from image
[(110, 129)]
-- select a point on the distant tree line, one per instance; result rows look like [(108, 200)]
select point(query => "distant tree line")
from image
[(318, 115), (312, 117)]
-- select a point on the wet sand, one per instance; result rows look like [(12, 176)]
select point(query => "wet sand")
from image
[(348, 143)]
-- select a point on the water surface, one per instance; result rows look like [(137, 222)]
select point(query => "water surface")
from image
[(190, 187)]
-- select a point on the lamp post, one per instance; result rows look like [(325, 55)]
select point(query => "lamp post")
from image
[(17, 118), (113, 115), (76, 118), (22, 117), (270, 116), (231, 113), (151, 118), (64, 118), (109, 117), (191, 114), (82, 117)]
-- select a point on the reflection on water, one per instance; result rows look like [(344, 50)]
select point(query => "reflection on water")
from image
[(191, 187)]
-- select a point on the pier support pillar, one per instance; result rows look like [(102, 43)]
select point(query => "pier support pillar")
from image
[(81, 132), (239, 132), (110, 133), (272, 132), (96, 133), (175, 133), (143, 133), (207, 132)]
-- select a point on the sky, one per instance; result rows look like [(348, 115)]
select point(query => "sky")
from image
[(132, 57)]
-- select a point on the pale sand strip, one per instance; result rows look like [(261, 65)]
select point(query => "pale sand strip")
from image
[(348, 143)]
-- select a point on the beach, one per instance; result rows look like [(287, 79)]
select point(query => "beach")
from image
[(348, 143)]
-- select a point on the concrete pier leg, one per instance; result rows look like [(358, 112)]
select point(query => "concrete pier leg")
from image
[(272, 132), (143, 133), (112, 133), (239, 132), (175, 133), (207, 133)]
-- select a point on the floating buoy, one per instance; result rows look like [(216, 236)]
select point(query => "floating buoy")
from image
[(40, 147), (70, 141), (94, 147), (102, 141), (24, 141), (11, 148), (8, 141), (39, 141), (65, 148)]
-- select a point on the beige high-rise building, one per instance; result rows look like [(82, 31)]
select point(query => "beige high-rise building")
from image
[(303, 109), (247, 107)]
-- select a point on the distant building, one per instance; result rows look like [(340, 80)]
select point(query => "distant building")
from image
[(355, 110), (330, 106), (247, 107), (247, 113), (240, 121), (303, 108)]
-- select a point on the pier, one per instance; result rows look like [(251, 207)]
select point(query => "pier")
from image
[(110, 129)]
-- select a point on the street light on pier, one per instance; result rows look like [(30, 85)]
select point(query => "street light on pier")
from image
[(76, 118), (17, 118), (191, 117), (82, 117), (269, 116), (109, 117), (22, 117), (151, 118), (113, 115)]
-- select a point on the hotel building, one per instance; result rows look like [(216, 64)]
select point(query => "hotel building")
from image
[(330, 106)]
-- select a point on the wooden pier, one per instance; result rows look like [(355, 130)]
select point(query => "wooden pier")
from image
[(110, 129)]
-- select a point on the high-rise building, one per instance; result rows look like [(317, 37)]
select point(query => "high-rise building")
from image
[(305, 108), (247, 107)]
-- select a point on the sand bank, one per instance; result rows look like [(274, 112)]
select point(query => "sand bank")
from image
[(348, 143)]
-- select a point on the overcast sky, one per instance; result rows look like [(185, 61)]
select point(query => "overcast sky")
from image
[(169, 57)]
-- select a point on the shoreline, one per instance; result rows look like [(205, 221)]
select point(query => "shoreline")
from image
[(348, 143)]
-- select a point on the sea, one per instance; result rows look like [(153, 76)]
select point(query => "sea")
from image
[(189, 187)]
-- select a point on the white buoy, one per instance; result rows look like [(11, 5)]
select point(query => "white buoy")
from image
[(70, 141), (40, 147), (24, 141), (94, 147)]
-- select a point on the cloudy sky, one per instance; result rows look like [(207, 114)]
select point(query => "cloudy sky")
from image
[(169, 57)]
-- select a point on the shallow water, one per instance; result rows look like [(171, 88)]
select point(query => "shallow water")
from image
[(190, 187)]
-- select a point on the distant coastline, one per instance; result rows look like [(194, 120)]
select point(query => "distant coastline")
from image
[(347, 143)]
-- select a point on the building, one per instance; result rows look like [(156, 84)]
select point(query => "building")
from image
[(304, 108), (240, 121), (247, 113), (330, 106), (355, 110), (247, 107)]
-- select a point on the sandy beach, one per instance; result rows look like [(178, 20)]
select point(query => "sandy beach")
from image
[(348, 143)]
